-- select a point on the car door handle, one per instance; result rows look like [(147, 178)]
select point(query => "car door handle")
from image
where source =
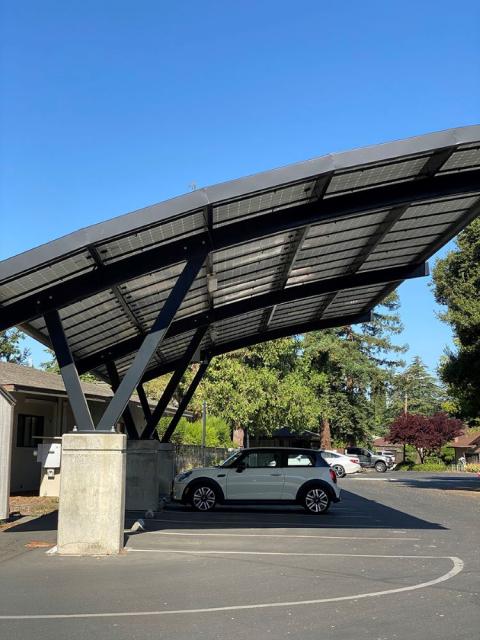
[(275, 474)]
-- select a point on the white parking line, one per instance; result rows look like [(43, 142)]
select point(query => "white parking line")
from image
[(456, 569), (269, 523), (272, 535)]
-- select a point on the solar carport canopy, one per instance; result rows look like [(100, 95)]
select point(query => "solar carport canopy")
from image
[(311, 245)]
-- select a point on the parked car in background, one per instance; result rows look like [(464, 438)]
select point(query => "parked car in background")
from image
[(370, 460), (341, 463), (262, 475), (387, 454)]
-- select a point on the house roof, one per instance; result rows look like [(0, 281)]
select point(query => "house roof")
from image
[(16, 377), (466, 440), (308, 246)]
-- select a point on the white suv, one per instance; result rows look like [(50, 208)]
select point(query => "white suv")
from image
[(261, 476)]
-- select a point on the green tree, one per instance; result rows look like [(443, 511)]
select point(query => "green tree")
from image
[(10, 347), (415, 390), (456, 280)]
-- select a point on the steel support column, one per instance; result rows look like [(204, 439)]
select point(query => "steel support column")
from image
[(127, 414), (144, 401), (68, 370), (185, 400), (151, 342), (173, 383)]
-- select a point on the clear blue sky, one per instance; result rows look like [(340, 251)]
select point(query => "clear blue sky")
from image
[(113, 105)]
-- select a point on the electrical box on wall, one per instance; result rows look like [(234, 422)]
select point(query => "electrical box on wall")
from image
[(49, 454)]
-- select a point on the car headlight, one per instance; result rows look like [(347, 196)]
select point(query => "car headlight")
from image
[(183, 476)]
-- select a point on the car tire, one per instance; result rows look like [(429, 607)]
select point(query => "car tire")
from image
[(380, 466), (203, 497), (316, 500), (339, 470)]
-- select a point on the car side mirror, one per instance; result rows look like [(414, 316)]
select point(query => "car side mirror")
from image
[(240, 467)]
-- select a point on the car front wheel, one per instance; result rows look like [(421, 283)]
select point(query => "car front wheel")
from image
[(203, 498), (339, 470), (380, 466), (316, 500)]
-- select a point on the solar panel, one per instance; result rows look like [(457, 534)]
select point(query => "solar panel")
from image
[(273, 240)]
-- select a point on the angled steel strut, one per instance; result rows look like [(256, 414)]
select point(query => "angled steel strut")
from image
[(151, 341), (185, 400), (173, 383), (76, 397)]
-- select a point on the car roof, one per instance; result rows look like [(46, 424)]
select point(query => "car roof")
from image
[(298, 449)]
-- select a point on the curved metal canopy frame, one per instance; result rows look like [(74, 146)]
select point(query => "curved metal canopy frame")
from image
[(312, 245)]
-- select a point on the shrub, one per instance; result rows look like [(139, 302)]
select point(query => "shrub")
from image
[(405, 466), (430, 466), (473, 467)]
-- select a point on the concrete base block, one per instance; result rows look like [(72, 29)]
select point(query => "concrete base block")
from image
[(92, 494), (150, 469)]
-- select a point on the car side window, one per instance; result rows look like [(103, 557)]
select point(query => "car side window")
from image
[(300, 460), (262, 459)]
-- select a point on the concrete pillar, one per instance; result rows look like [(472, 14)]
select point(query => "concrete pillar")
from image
[(150, 470), (7, 404), (166, 468), (92, 494)]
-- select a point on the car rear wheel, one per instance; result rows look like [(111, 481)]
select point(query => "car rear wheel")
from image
[(339, 470), (380, 466), (203, 498), (316, 500)]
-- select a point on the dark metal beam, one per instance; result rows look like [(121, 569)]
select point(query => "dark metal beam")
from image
[(287, 270), (272, 334), (385, 196), (76, 397), (255, 303), (187, 396), (173, 383), (382, 229), (93, 251), (151, 342), (144, 401), (127, 414)]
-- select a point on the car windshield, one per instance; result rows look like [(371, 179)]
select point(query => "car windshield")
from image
[(231, 458)]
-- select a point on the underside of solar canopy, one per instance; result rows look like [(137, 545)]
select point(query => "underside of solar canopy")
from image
[(311, 245)]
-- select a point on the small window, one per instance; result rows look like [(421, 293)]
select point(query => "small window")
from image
[(29, 427), (261, 459), (300, 460)]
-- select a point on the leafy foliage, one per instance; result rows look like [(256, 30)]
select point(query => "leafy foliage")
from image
[(426, 434), (416, 391), (10, 347), (457, 286), (217, 432)]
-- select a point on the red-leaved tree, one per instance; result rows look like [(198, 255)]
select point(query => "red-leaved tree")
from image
[(426, 434)]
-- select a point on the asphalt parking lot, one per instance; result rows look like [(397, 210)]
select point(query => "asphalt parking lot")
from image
[(397, 558)]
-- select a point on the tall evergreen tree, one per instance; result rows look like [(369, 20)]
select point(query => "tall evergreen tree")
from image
[(416, 391)]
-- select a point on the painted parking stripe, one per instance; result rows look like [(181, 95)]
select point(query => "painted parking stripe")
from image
[(272, 535), (455, 570), (269, 523)]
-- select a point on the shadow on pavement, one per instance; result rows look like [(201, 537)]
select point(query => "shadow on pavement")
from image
[(41, 523), (354, 512), (444, 483)]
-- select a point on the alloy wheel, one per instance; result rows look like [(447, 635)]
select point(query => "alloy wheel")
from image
[(204, 498), (316, 500)]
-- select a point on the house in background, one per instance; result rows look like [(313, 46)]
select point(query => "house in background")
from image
[(34, 408), (468, 445)]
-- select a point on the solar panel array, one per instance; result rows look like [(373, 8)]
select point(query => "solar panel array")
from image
[(328, 247)]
